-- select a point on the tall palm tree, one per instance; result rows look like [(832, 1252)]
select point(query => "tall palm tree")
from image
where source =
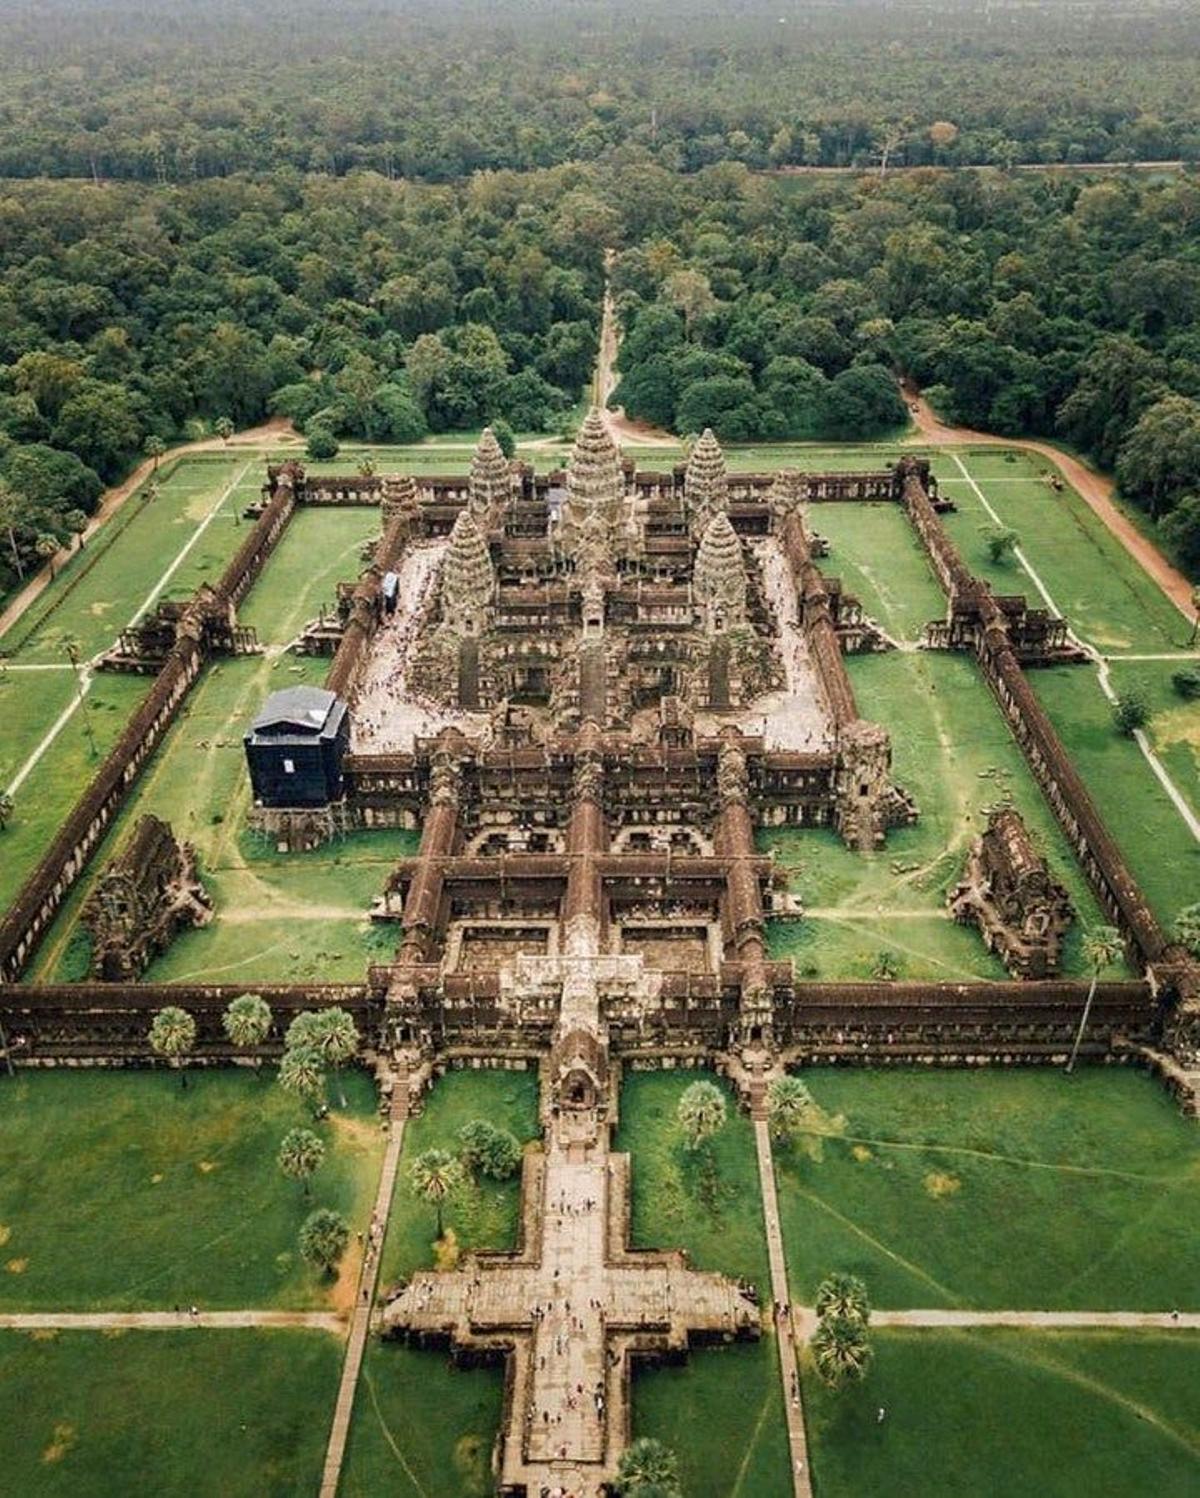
[(173, 1034), (300, 1154), (330, 1032), (154, 448), (301, 1071), (1102, 946), (843, 1295), (701, 1112), (841, 1350), (247, 1022), (323, 1238), (435, 1175)]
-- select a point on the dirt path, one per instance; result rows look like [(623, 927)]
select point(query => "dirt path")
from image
[(167, 1321), (621, 428), (278, 429), (1095, 488)]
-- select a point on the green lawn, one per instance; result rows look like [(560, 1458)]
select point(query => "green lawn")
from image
[(998, 1190), (485, 1213), (875, 552), (1055, 1414), (119, 1190), (953, 751), (423, 1428), (319, 549), (726, 1445), (226, 1414), (1163, 854)]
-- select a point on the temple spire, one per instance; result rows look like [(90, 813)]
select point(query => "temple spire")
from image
[(490, 480), (595, 487), (705, 482), (468, 580), (719, 576)]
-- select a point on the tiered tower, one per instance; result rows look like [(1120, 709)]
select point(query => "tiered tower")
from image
[(468, 581), (595, 492), (399, 494), (719, 576), (705, 483), (490, 481)]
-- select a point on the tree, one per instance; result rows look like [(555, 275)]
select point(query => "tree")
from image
[(841, 1350), (154, 447), (76, 522), (1159, 462), (324, 1235), (6, 809), (793, 1114), (331, 1032), (843, 1295), (302, 1071), (47, 547), (9, 513), (646, 1463), (486, 1150), (1131, 711), (1187, 928), (700, 1112), (1187, 683), (173, 1034), (247, 1021), (322, 446), (1102, 947), (224, 428), (504, 435), (1001, 544), (301, 1153), (436, 1175)]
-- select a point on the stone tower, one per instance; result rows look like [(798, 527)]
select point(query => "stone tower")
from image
[(719, 576), (468, 582), (595, 490), (490, 481), (399, 494), (705, 483)]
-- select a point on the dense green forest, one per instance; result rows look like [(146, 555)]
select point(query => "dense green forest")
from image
[(277, 254), (438, 89)]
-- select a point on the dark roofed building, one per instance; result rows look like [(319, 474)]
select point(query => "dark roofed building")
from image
[(295, 747)]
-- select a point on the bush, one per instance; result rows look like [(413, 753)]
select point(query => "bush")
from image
[(1131, 711), (1187, 683), (322, 445), (1001, 544)]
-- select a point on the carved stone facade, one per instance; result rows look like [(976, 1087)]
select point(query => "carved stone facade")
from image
[(490, 482), (148, 894), (1008, 892), (705, 484)]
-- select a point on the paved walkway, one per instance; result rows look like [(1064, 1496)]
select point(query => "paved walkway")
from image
[(805, 1318), (360, 1326), (167, 1321), (788, 1370)]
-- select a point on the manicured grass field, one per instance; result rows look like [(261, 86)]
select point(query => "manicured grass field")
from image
[(728, 1443), (484, 1214), (875, 552), (953, 751), (1056, 1414), (1163, 854), (998, 1190), (422, 1428), (121, 1191), (223, 1414)]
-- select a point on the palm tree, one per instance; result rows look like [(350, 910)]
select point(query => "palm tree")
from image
[(435, 1174), (1102, 946), (247, 1021), (646, 1463), (793, 1113), (330, 1032), (700, 1112), (8, 521), (74, 652), (841, 1350), (301, 1071), (154, 448), (843, 1295), (223, 428), (47, 548), (300, 1154), (323, 1238), (76, 522), (173, 1034), (1187, 928)]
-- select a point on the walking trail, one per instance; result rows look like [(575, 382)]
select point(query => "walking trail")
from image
[(167, 1321), (360, 1325), (1116, 1321), (1096, 490)]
